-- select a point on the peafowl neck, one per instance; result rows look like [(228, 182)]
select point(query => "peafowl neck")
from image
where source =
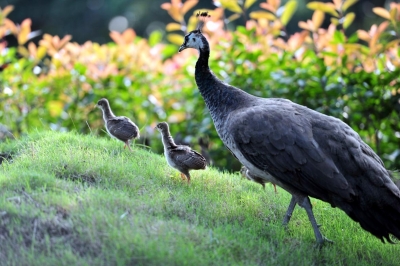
[(167, 140), (219, 97), (107, 113)]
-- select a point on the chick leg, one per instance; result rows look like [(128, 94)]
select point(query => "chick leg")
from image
[(127, 145), (186, 176)]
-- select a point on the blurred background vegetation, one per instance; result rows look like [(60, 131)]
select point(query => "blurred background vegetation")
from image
[(57, 58), (93, 19)]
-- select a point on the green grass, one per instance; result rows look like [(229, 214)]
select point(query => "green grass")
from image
[(70, 199)]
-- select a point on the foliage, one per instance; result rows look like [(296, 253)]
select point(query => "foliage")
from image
[(76, 199), (353, 77)]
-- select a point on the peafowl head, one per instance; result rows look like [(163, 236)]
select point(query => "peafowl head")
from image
[(103, 104), (162, 127), (195, 38)]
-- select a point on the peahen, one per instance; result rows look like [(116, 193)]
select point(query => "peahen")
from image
[(307, 153)]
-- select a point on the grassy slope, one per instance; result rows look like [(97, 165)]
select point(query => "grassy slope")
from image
[(69, 199)]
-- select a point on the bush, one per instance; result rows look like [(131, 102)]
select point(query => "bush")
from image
[(354, 77)]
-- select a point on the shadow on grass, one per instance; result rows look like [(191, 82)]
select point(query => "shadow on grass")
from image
[(72, 175), (43, 232)]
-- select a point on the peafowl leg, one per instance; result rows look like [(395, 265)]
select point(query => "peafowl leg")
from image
[(183, 176), (306, 204), (127, 145), (186, 176), (289, 211)]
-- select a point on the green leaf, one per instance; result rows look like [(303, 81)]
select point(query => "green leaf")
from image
[(287, 14), (23, 51), (233, 17), (348, 3), (353, 38), (173, 26), (169, 50), (175, 39), (232, 5), (262, 14), (348, 19), (80, 68), (335, 21), (325, 7), (318, 18), (55, 107), (155, 38), (393, 13), (242, 30), (249, 3), (41, 52), (338, 37), (332, 54)]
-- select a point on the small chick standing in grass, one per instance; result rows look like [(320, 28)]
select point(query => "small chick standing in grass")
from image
[(180, 157), (246, 173), (119, 127)]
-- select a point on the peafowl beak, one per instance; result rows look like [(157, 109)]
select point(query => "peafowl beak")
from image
[(183, 47)]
